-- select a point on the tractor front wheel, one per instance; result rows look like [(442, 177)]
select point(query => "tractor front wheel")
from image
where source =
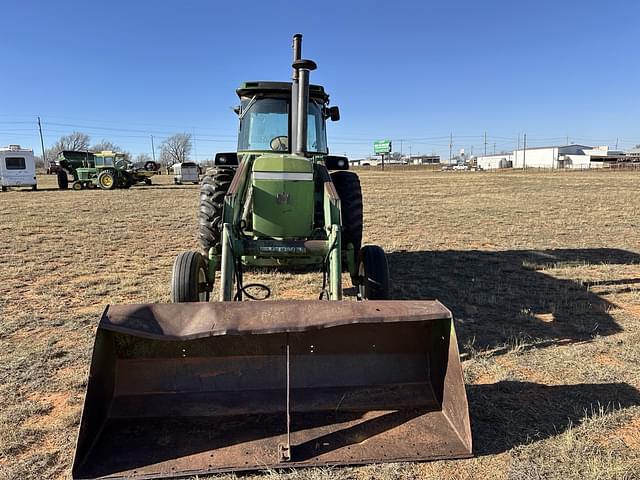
[(189, 279), (107, 180), (77, 185), (373, 274)]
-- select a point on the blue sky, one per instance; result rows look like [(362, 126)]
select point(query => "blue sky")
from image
[(414, 71)]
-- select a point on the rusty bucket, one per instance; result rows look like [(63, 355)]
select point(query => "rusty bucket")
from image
[(195, 388)]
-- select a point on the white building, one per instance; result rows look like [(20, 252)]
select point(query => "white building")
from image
[(491, 162), (552, 157)]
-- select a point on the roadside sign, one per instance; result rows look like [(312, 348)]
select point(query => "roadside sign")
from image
[(382, 146)]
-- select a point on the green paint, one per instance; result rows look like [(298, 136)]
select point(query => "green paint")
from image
[(282, 207)]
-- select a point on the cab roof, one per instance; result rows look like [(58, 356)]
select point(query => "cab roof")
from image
[(248, 89)]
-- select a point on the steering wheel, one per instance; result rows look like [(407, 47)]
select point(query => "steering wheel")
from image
[(280, 144)]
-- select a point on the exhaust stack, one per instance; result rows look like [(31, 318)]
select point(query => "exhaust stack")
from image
[(300, 97), (297, 55)]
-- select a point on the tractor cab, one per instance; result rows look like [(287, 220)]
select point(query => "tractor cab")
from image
[(267, 119), (109, 159)]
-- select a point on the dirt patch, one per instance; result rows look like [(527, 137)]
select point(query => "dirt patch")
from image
[(629, 434), (58, 405), (608, 360)]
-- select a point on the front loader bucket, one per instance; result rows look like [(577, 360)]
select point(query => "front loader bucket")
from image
[(194, 388)]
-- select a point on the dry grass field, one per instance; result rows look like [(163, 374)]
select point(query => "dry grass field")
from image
[(542, 271)]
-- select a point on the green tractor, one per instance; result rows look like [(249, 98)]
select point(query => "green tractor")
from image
[(106, 170), (281, 200), (194, 387)]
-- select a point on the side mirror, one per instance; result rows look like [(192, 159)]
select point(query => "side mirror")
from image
[(229, 159), (334, 113), (237, 110), (334, 162)]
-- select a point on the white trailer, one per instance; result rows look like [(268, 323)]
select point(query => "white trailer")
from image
[(17, 168), (186, 172)]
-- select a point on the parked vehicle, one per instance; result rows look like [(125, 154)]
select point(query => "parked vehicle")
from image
[(186, 172), (106, 169), (17, 168)]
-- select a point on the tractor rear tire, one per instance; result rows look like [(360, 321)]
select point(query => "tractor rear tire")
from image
[(214, 187), (347, 185), (63, 180), (189, 278), (107, 180), (373, 273)]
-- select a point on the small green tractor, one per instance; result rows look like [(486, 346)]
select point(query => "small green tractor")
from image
[(106, 170)]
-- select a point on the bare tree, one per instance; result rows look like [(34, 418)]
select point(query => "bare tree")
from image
[(105, 145), (143, 158), (77, 141), (175, 149)]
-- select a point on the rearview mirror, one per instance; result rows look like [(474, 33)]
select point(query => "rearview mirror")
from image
[(334, 162), (229, 159)]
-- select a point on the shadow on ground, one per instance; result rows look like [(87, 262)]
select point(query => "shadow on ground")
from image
[(498, 296), (507, 414)]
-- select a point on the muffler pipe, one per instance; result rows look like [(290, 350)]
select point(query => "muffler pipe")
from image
[(297, 52), (297, 55), (303, 68)]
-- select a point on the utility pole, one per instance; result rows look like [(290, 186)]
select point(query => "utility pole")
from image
[(524, 153), (41, 143), (401, 149), (195, 149), (450, 147), (485, 143), (153, 150), (494, 148), (567, 140), (616, 143)]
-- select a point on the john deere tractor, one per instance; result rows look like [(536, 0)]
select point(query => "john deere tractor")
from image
[(193, 387), (281, 200), (106, 169)]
